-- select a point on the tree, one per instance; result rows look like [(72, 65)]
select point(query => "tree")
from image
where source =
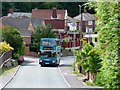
[(89, 59), (85, 58), (94, 62), (12, 36), (108, 28), (6, 6), (41, 32)]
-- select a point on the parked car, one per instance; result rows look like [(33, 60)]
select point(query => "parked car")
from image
[(21, 59)]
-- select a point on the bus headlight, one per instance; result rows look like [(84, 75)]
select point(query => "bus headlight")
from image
[(40, 60), (53, 61)]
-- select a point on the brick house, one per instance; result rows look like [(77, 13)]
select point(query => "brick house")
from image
[(88, 26), (88, 22), (58, 19)]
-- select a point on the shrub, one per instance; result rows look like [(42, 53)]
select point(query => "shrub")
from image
[(12, 36), (16, 56)]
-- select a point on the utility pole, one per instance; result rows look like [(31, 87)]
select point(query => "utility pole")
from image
[(80, 12)]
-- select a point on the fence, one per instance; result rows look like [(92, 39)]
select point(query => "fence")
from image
[(5, 56)]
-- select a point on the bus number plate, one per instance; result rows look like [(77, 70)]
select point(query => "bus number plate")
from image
[(46, 63)]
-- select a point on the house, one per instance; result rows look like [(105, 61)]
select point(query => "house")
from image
[(49, 13), (87, 25), (60, 21), (88, 22), (55, 18), (73, 32), (25, 27), (72, 23)]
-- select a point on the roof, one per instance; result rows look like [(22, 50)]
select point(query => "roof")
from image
[(36, 22), (19, 14), (20, 23), (85, 17), (47, 13), (55, 23), (71, 20)]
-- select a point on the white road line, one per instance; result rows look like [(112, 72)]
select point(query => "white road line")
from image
[(64, 78)]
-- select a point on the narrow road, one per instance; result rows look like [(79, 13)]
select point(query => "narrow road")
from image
[(32, 75)]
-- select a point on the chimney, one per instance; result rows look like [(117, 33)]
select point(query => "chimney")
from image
[(54, 14), (11, 10)]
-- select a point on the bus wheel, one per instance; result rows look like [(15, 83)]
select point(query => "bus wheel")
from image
[(42, 65)]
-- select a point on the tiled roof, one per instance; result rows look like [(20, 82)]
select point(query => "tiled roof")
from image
[(19, 23), (46, 13), (56, 24), (36, 22), (85, 17)]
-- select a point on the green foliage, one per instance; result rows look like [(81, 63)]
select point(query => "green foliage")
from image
[(108, 28), (12, 36), (16, 56), (89, 59), (41, 32), (94, 61), (85, 56)]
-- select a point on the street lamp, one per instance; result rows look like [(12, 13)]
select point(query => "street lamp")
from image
[(80, 12)]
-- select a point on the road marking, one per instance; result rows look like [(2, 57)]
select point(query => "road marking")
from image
[(64, 78)]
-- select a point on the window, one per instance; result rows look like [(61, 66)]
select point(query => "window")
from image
[(90, 22), (90, 30), (47, 43)]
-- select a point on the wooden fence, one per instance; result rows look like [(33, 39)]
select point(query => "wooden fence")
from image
[(5, 56)]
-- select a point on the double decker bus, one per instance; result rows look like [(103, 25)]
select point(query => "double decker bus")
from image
[(50, 51)]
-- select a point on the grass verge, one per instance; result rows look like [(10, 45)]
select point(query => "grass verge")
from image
[(8, 70)]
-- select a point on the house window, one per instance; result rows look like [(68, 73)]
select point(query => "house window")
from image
[(90, 30), (90, 22)]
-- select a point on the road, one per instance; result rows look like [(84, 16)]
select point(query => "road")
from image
[(32, 75)]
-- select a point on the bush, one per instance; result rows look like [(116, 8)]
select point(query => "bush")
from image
[(16, 56), (98, 79), (12, 36)]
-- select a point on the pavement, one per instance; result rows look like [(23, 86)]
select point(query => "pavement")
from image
[(72, 80)]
